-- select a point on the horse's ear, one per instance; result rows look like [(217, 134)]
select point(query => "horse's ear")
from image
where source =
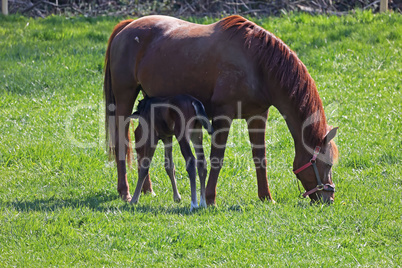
[(135, 115), (331, 134)]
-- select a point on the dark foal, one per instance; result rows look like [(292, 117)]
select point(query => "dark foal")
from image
[(160, 119)]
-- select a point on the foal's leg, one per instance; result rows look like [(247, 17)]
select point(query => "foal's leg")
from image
[(219, 138), (196, 138), (169, 167), (190, 167), (147, 186), (256, 129), (144, 162)]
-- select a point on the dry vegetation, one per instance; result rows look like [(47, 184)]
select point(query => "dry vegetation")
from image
[(186, 8)]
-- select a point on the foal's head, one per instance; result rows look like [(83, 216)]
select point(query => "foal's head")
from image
[(313, 167), (141, 107)]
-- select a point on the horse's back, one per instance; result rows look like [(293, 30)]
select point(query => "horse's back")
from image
[(166, 54), (152, 32), (169, 56), (169, 26)]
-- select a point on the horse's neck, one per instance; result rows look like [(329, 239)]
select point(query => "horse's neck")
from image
[(293, 120), (301, 129)]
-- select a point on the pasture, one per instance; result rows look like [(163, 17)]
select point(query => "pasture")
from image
[(58, 200)]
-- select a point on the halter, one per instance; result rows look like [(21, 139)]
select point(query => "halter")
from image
[(320, 186)]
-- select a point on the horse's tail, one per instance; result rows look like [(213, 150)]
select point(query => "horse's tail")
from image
[(110, 102), (202, 116)]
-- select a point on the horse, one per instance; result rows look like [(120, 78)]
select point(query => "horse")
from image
[(160, 119), (238, 70)]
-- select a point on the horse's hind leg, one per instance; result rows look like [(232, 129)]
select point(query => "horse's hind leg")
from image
[(196, 138), (256, 129), (123, 109), (169, 167)]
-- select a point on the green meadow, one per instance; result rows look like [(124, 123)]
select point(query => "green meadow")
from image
[(58, 200)]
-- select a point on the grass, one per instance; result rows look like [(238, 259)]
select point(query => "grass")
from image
[(58, 200)]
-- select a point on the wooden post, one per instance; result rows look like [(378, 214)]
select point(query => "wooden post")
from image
[(4, 7), (383, 5)]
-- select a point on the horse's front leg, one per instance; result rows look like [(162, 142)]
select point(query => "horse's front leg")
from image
[(221, 126), (256, 129)]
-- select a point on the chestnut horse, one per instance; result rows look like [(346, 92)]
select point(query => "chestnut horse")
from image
[(237, 70)]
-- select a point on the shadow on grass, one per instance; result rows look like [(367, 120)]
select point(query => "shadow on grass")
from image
[(54, 203), (102, 203)]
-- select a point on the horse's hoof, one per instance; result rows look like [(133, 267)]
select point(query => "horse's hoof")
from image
[(126, 197), (267, 199), (210, 201), (152, 193)]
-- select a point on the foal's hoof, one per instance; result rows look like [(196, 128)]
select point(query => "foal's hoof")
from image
[(203, 203), (177, 199), (193, 207)]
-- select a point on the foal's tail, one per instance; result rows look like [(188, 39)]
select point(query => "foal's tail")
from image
[(202, 116), (110, 102)]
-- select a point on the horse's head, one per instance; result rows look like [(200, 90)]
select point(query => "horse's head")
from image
[(313, 167)]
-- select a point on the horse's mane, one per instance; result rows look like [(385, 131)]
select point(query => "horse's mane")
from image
[(276, 58)]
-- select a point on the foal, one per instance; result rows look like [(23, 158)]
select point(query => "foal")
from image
[(160, 119)]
